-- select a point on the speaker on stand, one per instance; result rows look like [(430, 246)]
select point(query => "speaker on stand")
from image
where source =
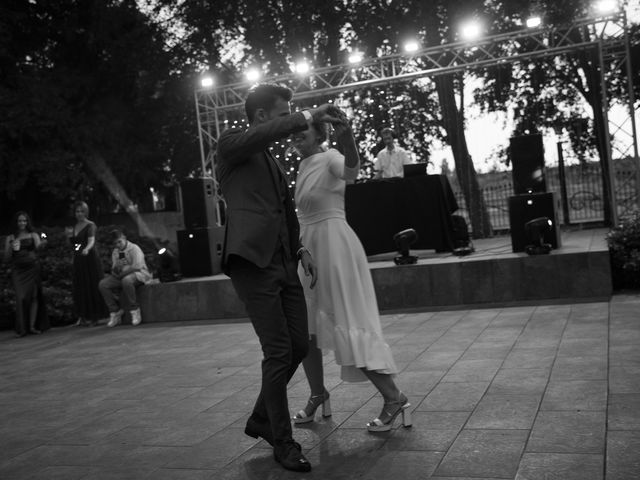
[(200, 251), (198, 202), (527, 163), (200, 243)]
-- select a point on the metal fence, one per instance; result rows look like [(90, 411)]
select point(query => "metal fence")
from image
[(584, 193)]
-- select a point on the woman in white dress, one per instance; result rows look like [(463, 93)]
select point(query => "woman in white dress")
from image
[(343, 311)]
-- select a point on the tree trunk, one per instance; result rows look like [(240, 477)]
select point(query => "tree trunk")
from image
[(465, 171), (589, 62)]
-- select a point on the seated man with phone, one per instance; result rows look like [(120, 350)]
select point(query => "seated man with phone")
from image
[(128, 271)]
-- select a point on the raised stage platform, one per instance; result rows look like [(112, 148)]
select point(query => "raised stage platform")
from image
[(492, 275)]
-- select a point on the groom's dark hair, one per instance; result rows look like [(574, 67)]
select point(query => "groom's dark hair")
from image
[(265, 95)]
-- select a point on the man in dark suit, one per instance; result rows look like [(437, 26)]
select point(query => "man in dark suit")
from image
[(261, 252)]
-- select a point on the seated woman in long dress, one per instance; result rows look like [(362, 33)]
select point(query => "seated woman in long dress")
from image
[(20, 249), (342, 306)]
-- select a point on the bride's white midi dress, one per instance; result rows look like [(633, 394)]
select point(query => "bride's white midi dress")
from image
[(342, 307)]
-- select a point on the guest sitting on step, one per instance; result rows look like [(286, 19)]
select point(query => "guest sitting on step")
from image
[(128, 271)]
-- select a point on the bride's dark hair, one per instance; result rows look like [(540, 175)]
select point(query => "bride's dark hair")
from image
[(322, 129)]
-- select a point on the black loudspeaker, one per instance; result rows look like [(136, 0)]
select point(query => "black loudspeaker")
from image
[(198, 203), (527, 163), (523, 208), (200, 251)]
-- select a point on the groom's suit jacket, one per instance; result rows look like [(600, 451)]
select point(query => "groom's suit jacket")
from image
[(255, 189)]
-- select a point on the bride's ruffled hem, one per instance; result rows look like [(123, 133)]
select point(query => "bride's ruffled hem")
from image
[(353, 374), (353, 348)]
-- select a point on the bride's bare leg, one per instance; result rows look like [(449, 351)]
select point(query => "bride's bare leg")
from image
[(313, 368), (384, 383)]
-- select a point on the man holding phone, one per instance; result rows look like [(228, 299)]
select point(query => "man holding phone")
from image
[(128, 271)]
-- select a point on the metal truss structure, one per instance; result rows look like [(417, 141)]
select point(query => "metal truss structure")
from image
[(608, 36)]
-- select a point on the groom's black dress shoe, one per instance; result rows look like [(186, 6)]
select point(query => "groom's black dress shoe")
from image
[(290, 456), (257, 429)]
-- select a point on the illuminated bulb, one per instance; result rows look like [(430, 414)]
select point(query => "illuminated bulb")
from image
[(534, 22), (253, 74), (206, 82), (355, 57), (302, 67), (606, 6), (470, 31), (411, 46)]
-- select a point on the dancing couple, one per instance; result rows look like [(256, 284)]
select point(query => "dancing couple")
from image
[(265, 241)]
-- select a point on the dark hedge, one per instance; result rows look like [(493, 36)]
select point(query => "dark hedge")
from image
[(624, 247)]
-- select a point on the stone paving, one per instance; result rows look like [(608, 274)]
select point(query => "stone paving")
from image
[(546, 392)]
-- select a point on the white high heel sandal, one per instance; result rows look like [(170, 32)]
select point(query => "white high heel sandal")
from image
[(308, 413), (390, 410)]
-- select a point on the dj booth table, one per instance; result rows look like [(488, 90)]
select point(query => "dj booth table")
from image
[(378, 209)]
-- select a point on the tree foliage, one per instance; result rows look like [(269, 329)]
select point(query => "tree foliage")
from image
[(89, 80), (559, 93), (97, 94), (275, 34)]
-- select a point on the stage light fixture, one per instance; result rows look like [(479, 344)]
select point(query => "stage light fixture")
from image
[(606, 6), (253, 75), (168, 270), (535, 230), (403, 241), (411, 46), (355, 57), (533, 22), (206, 81), (471, 30)]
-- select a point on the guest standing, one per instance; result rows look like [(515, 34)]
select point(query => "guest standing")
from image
[(343, 311), (87, 268), (20, 249)]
